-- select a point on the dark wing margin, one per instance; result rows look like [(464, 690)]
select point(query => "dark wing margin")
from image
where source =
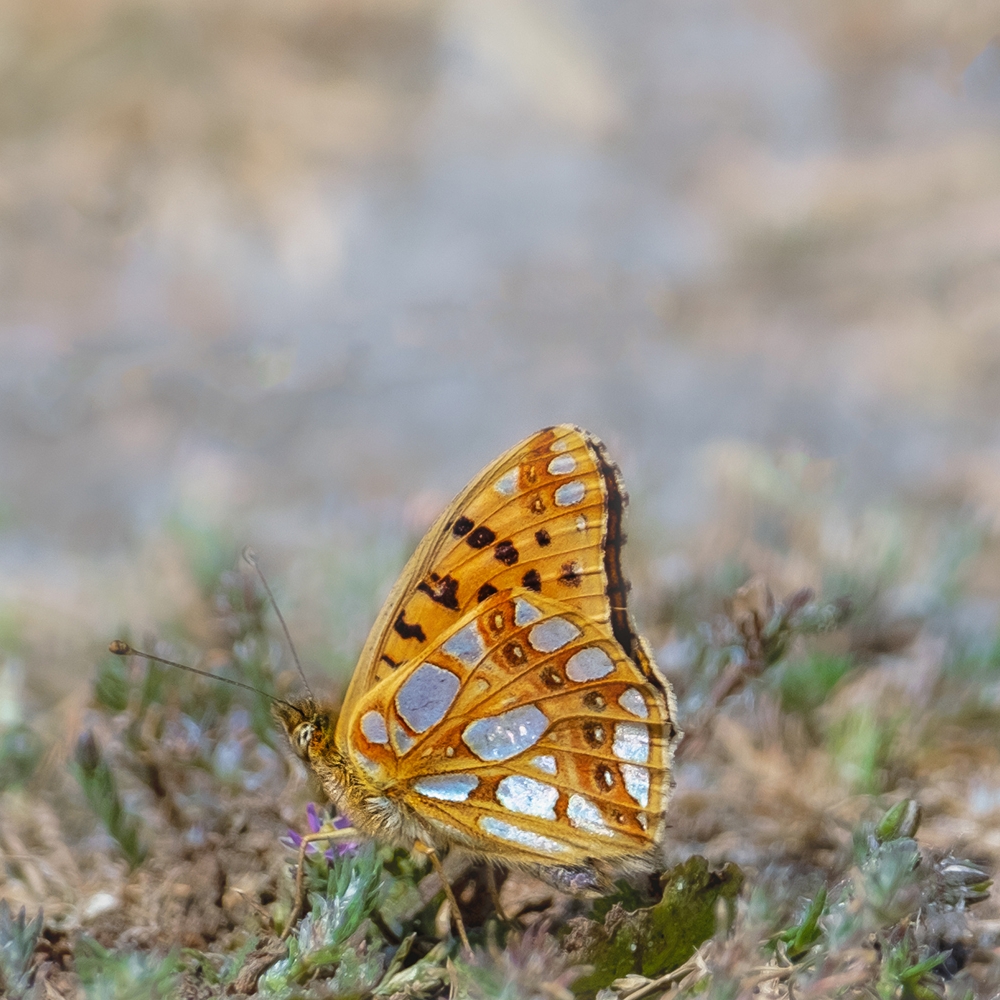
[(622, 626), (614, 539)]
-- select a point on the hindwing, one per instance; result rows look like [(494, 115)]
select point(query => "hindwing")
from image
[(526, 731)]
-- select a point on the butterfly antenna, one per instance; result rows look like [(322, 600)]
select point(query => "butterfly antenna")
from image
[(122, 648), (251, 557)]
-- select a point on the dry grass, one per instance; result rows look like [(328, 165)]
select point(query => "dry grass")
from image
[(192, 871)]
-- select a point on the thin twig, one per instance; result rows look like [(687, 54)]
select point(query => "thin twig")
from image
[(682, 972), (734, 678), (449, 893), (255, 906), (768, 974)]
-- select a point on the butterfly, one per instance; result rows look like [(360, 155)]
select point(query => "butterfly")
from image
[(504, 703)]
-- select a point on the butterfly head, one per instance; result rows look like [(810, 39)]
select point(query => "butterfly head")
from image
[(309, 728)]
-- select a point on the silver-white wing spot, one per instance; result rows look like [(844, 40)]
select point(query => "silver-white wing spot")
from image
[(506, 485), (553, 634), (373, 727), (636, 782), (527, 796), (466, 644), (425, 697), (450, 787), (581, 523), (560, 445), (545, 763), (401, 739), (562, 465), (500, 737), (631, 742), (570, 493), (589, 664), (584, 814), (507, 831), (633, 702), (525, 613)]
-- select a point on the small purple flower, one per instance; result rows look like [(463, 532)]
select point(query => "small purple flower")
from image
[(315, 823), (291, 839), (345, 846), (312, 819)]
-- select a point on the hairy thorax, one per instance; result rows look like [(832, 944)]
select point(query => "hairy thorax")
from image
[(374, 808)]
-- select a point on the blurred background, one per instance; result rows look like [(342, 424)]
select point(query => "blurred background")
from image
[(289, 274)]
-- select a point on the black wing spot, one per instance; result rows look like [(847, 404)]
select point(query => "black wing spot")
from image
[(532, 580), (594, 733), (570, 574), (486, 590), (551, 677), (407, 631), (605, 779), (441, 591), (506, 553), (388, 659), (481, 537), (595, 701), (494, 623), (543, 537), (537, 505), (462, 526), (514, 654)]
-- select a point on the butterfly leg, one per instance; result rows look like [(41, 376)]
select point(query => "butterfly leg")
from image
[(349, 833), (491, 888), (452, 901)]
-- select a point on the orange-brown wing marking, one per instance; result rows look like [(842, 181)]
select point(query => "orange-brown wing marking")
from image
[(545, 516), (527, 731)]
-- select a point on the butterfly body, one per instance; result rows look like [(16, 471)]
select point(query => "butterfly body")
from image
[(504, 703), (375, 808)]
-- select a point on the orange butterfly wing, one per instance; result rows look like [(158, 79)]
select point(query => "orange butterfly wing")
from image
[(545, 516), (527, 733), (468, 722)]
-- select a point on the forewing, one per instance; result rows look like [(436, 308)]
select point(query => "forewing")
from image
[(545, 517), (526, 732)]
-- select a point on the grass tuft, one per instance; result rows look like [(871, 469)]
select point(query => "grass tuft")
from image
[(110, 975), (331, 934), (94, 774), (18, 938), (21, 750)]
